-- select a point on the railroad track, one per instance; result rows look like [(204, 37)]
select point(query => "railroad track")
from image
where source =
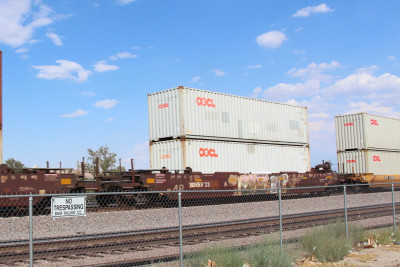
[(15, 251)]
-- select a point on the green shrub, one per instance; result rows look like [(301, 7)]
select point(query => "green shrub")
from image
[(384, 236), (267, 254), (328, 243), (223, 256)]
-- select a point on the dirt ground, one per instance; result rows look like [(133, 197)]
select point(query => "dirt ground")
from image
[(383, 256)]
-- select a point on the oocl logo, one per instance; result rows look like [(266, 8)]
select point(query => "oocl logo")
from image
[(349, 124), (376, 158), (208, 152), (165, 105), (206, 102), (374, 122)]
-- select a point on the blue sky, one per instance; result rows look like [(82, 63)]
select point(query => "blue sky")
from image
[(76, 73)]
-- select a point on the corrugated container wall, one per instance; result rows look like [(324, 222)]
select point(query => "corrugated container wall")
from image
[(210, 156), (366, 131), (193, 113), (369, 161)]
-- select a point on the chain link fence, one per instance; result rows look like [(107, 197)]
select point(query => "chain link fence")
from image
[(145, 228)]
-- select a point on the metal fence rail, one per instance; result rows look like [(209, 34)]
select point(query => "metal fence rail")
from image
[(117, 228)]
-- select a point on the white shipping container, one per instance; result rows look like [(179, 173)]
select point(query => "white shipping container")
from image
[(220, 156), (203, 114), (366, 131), (369, 161)]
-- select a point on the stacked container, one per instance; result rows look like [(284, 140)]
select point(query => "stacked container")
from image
[(212, 132), (368, 144)]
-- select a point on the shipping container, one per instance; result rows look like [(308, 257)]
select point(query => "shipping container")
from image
[(192, 113), (369, 161), (366, 131), (210, 156)]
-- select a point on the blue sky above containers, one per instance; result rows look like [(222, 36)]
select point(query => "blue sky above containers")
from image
[(76, 74)]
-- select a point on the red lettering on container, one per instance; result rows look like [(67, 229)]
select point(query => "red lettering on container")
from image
[(165, 105), (202, 101), (349, 124), (376, 158), (374, 122), (165, 156), (351, 161), (208, 152)]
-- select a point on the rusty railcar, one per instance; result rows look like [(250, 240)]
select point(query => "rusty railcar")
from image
[(33, 181)]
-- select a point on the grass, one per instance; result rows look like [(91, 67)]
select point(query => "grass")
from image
[(329, 244), (384, 236), (265, 254)]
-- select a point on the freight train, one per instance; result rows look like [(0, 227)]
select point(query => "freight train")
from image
[(43, 181)]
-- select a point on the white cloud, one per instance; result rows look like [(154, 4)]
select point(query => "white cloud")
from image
[(88, 93), (106, 103), (305, 12), (299, 52), (219, 72), (54, 38), (125, 2), (255, 66), (283, 91), (271, 39), (358, 107), (370, 70), (314, 71), (21, 50), (66, 70), (110, 119), (196, 79), (364, 82), (123, 55), (319, 115), (101, 66), (298, 29), (391, 58), (135, 47), (19, 19), (77, 113), (256, 92)]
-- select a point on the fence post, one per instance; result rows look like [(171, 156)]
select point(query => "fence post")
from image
[(345, 212), (30, 230), (180, 228), (280, 218), (394, 210)]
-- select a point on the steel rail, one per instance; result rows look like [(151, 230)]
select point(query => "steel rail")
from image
[(12, 251)]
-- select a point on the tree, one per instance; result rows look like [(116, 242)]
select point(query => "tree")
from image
[(14, 164), (107, 160)]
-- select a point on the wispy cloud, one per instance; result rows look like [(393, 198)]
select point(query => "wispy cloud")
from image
[(65, 70), (101, 66), (20, 19), (54, 38), (305, 12), (391, 58), (88, 93), (106, 103), (125, 2), (271, 39), (123, 55), (77, 113), (314, 71), (21, 50), (255, 66), (110, 119), (219, 72), (196, 79)]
